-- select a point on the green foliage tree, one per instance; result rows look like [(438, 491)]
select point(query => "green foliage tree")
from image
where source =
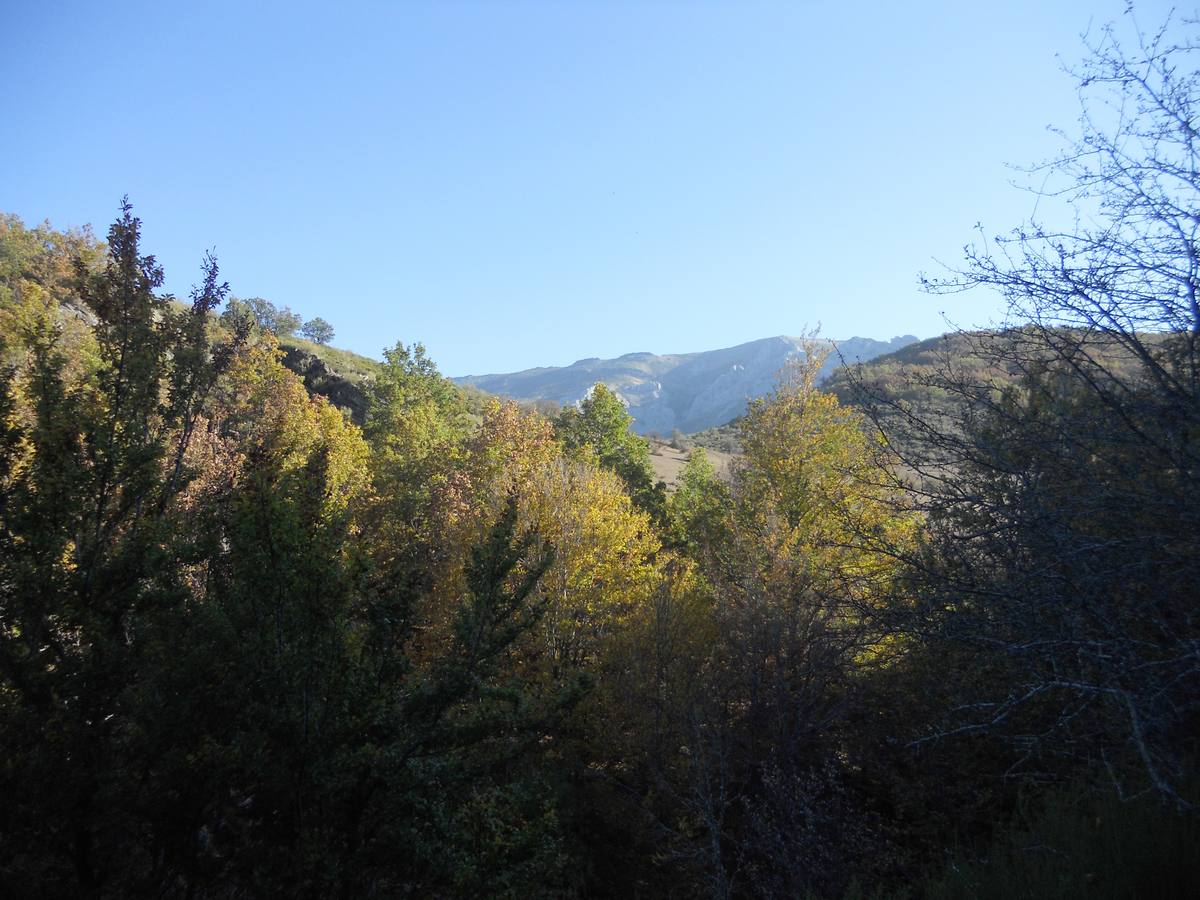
[(416, 425), (317, 330), (416, 419), (697, 510), (410, 387), (602, 423), (740, 675), (278, 320)]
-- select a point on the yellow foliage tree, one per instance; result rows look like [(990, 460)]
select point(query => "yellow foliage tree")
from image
[(263, 412), (607, 558), (814, 494)]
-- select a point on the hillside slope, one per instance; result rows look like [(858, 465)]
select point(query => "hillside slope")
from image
[(337, 375)]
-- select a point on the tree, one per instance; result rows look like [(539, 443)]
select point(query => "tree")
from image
[(1063, 508), (210, 682), (601, 422), (412, 407), (607, 558), (318, 331), (697, 511), (96, 460), (280, 321), (743, 677), (800, 575), (416, 424), (41, 258)]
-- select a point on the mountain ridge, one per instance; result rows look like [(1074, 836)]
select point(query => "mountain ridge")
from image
[(679, 391)]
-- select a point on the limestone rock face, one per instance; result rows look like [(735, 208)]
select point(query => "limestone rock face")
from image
[(688, 391)]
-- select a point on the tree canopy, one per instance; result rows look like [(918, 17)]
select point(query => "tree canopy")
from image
[(317, 330)]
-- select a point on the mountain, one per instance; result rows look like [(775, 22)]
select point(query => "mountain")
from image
[(684, 391)]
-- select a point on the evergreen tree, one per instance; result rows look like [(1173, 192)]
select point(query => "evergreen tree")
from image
[(91, 578)]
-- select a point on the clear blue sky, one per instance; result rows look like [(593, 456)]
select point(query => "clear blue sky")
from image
[(520, 184)]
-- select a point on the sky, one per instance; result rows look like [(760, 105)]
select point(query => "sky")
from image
[(520, 184)]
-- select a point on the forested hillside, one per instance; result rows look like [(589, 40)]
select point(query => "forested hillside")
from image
[(265, 631)]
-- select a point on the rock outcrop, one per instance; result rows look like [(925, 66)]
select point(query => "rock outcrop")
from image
[(320, 379)]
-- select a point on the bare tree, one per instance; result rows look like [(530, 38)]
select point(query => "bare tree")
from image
[(1063, 503)]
